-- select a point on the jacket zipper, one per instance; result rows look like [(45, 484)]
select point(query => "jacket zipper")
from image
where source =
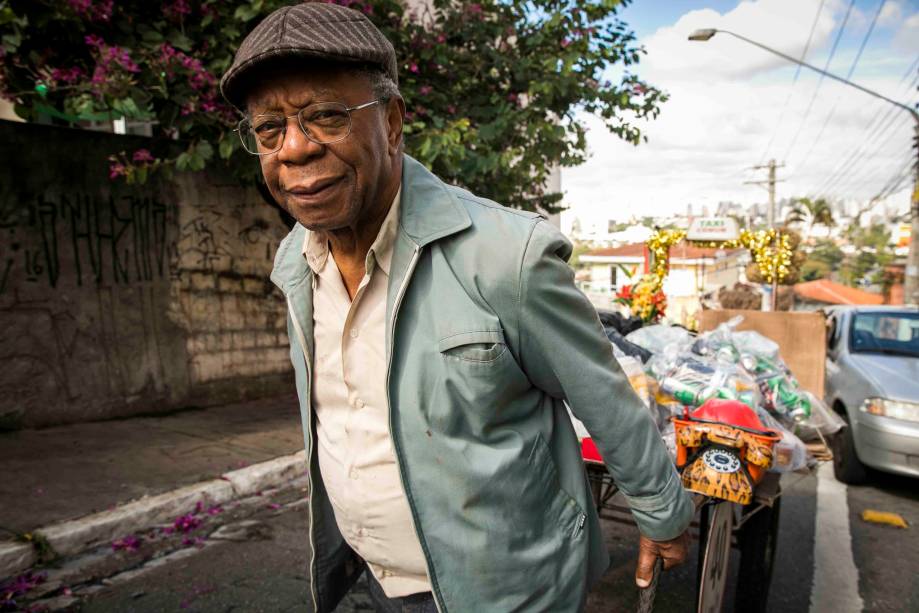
[(392, 341), (309, 450)]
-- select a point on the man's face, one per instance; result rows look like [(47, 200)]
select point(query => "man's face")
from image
[(331, 186)]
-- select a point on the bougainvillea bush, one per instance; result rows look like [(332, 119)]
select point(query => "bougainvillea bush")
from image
[(496, 92)]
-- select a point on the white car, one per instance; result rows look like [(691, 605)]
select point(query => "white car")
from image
[(872, 381)]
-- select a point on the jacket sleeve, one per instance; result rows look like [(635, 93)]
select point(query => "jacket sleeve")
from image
[(565, 353)]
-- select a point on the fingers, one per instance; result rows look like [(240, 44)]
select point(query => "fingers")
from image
[(647, 554), (675, 552)]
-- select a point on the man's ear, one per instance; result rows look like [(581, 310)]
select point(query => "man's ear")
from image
[(395, 118)]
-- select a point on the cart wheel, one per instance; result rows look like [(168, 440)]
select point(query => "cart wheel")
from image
[(714, 555), (758, 537)]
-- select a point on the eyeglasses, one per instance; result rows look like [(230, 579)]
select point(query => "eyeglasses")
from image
[(323, 123)]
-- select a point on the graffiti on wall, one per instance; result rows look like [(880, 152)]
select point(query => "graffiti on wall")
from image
[(114, 240)]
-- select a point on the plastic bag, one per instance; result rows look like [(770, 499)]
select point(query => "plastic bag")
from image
[(790, 453), (657, 337), (748, 341), (821, 419)]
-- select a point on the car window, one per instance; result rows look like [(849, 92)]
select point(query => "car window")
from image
[(890, 332)]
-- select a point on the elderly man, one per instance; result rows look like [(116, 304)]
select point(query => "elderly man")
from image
[(436, 337)]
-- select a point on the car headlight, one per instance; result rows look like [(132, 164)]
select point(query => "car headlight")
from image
[(897, 409)]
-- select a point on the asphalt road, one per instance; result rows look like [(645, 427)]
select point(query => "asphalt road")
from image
[(266, 571)]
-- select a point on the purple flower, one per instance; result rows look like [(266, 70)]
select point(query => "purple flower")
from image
[(67, 75), (424, 90), (215, 510), (81, 6), (186, 523), (142, 156), (565, 42), (274, 506), (177, 9), (413, 67), (15, 587), (127, 543), (116, 169), (196, 541), (94, 40)]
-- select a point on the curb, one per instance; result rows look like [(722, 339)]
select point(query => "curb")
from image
[(77, 535)]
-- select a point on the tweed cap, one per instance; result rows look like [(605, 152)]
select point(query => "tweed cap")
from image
[(309, 30)]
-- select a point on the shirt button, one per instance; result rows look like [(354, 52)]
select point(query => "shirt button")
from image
[(353, 333), (359, 404), (353, 473)]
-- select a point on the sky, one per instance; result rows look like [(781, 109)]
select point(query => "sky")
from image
[(733, 106)]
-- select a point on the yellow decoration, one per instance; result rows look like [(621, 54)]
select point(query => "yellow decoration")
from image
[(771, 251)]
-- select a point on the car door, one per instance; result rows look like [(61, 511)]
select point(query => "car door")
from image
[(834, 350)]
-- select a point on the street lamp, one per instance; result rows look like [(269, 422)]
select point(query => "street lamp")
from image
[(911, 289)]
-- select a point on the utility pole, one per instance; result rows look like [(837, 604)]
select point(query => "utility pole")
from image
[(911, 278), (770, 216), (911, 282), (770, 186)]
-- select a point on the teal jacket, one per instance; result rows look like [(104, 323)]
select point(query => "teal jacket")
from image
[(487, 339)]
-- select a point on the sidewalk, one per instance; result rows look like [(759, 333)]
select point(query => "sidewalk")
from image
[(67, 472)]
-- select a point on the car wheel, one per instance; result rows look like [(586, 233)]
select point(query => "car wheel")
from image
[(846, 466)]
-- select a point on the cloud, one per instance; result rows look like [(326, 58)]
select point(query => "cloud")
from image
[(726, 105), (781, 24), (906, 38), (891, 14)]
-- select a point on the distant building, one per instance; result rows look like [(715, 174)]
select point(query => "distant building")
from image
[(693, 271)]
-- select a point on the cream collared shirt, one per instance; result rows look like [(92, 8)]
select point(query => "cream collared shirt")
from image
[(356, 456)]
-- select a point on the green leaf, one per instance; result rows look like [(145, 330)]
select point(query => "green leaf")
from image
[(204, 150), (227, 147), (245, 13), (178, 40), (183, 162)]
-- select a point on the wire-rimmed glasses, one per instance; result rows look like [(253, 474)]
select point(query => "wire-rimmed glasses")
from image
[(323, 123)]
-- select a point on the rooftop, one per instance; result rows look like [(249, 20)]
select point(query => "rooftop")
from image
[(830, 292)]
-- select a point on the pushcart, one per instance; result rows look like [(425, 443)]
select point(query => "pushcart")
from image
[(719, 526)]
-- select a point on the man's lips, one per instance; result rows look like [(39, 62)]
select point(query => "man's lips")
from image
[(313, 188)]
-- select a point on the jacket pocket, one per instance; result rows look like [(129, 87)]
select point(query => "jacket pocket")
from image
[(481, 346), (561, 508)]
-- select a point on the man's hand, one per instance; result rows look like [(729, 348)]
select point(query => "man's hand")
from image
[(674, 552)]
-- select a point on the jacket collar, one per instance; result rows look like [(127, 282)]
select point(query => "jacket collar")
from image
[(428, 212)]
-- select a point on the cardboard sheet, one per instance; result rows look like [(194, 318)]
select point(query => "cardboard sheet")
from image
[(801, 337)]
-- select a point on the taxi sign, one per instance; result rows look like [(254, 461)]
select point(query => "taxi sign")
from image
[(713, 229)]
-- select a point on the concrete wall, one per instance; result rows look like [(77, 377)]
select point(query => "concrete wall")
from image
[(117, 300)]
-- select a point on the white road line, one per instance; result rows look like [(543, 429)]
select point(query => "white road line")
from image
[(835, 586)]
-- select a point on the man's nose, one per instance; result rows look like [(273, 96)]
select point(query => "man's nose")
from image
[(296, 147)]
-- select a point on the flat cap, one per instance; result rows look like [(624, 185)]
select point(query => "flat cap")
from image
[(308, 30)]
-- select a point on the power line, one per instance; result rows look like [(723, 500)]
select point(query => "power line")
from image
[(896, 181), (872, 132), (867, 170), (860, 161), (826, 67), (858, 56), (794, 81)]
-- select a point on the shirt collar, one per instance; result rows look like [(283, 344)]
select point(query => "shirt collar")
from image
[(316, 247)]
